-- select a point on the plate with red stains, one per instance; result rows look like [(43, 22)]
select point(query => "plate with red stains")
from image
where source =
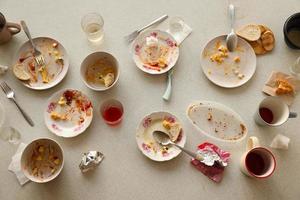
[(68, 113), (42, 77), (217, 121), (155, 51), (161, 121)]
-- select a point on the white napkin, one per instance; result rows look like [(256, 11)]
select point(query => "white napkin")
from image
[(280, 142), (15, 165), (184, 33)]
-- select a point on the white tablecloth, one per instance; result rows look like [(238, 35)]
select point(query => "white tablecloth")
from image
[(126, 173)]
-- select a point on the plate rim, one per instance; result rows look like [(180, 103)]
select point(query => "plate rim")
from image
[(46, 115), (66, 57), (209, 77), (153, 72)]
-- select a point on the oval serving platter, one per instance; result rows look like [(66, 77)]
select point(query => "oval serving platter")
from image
[(217, 121)]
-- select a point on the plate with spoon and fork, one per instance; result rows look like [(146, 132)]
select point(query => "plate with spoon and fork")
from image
[(43, 70)]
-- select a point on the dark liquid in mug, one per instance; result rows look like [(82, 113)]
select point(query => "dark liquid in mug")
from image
[(266, 114), (255, 163)]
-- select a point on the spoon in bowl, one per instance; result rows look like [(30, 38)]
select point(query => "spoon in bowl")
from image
[(232, 38), (163, 139)]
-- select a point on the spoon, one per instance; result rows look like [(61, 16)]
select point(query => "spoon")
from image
[(163, 139), (232, 38)]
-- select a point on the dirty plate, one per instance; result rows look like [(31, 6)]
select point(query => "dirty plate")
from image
[(217, 121), (56, 59), (234, 69), (165, 40), (146, 142), (69, 112)]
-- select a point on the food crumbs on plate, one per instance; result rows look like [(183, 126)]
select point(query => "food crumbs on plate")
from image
[(241, 76), (209, 118), (243, 127), (237, 59)]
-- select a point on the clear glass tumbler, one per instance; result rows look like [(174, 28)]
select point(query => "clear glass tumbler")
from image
[(92, 24), (112, 111)]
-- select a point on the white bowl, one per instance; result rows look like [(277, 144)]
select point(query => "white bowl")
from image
[(27, 154), (90, 60)]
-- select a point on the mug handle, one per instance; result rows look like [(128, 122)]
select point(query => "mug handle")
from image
[(252, 143), (293, 115), (13, 28)]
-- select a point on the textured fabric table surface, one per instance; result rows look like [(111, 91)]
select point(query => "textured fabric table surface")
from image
[(125, 173)]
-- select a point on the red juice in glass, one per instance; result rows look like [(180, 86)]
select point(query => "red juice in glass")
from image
[(112, 111)]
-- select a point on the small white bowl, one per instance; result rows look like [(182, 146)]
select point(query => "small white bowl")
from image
[(91, 60), (27, 153)]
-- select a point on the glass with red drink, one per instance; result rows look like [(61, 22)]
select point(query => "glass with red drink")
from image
[(112, 111)]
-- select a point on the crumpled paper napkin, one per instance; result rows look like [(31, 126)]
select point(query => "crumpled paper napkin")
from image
[(15, 165)]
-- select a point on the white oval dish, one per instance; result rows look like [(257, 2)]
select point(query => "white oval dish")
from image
[(146, 142), (27, 156), (74, 126), (223, 74), (90, 60), (44, 44), (165, 39), (217, 121)]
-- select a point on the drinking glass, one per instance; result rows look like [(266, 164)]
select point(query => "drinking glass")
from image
[(295, 68), (112, 111), (92, 24)]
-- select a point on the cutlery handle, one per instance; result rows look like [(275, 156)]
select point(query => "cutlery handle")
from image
[(158, 20), (168, 91), (293, 115), (192, 154), (25, 115), (232, 15), (26, 30)]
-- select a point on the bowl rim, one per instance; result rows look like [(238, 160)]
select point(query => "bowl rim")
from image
[(60, 169), (117, 66)]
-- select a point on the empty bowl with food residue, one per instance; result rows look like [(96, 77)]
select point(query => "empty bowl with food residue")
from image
[(100, 71), (42, 160)]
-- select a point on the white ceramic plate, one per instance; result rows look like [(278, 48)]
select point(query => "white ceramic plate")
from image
[(55, 70), (165, 39), (79, 114), (223, 74), (217, 121), (146, 142)]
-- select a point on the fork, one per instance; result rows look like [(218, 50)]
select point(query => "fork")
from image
[(11, 95), (135, 33), (38, 57)]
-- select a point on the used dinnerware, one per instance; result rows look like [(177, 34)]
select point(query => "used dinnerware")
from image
[(257, 162), (217, 121), (43, 77), (92, 24), (134, 34), (7, 29), (291, 31), (232, 38), (68, 113), (10, 94), (155, 51), (164, 139), (168, 91), (42, 160), (100, 71), (38, 56), (112, 111), (228, 69), (160, 121), (273, 111)]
